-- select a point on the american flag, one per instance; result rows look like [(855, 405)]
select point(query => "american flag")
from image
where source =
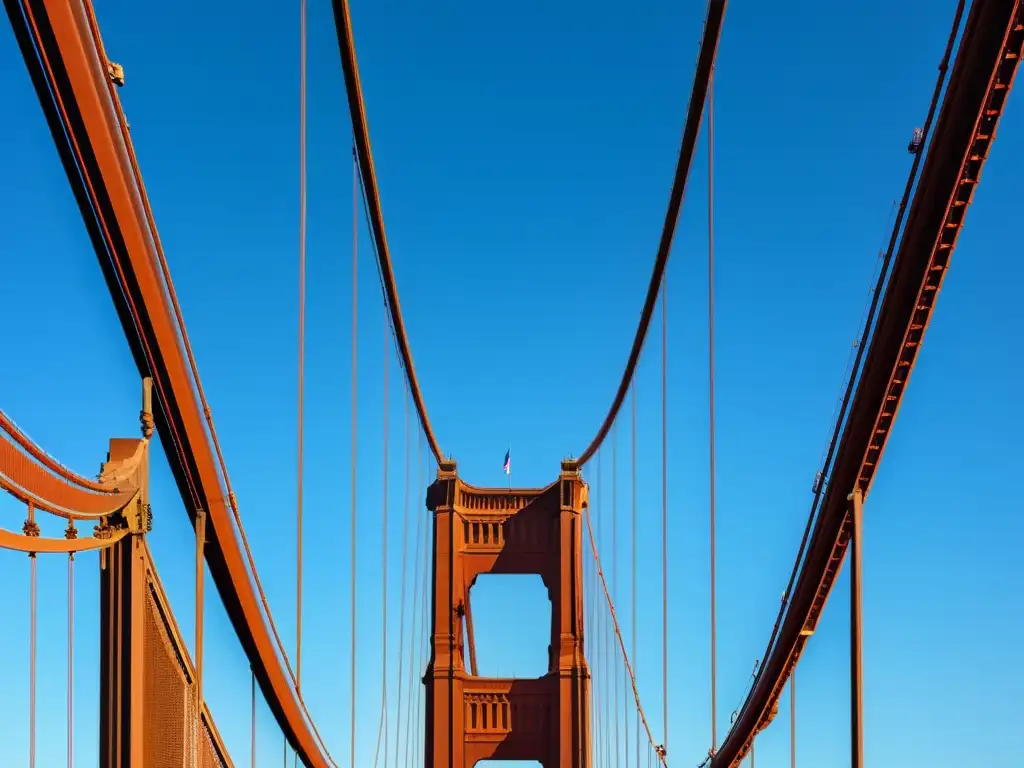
[(507, 466)]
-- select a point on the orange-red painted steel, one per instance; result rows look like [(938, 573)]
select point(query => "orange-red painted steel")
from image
[(98, 165), (33, 450), (483, 530), (985, 66)]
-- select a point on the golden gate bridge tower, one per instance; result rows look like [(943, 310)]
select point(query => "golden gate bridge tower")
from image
[(506, 531)]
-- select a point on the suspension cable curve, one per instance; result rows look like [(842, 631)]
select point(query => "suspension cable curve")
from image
[(75, 157), (364, 165), (691, 129)]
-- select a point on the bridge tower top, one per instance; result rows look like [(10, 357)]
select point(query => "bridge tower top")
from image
[(506, 531)]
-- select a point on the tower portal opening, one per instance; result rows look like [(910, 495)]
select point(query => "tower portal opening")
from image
[(511, 625)]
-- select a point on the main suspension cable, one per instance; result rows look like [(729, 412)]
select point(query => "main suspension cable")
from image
[(691, 130), (364, 163), (193, 367)]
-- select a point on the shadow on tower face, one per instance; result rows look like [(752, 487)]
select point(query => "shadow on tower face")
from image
[(480, 531)]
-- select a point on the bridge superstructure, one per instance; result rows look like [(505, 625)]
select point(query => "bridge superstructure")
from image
[(152, 708), (511, 531)]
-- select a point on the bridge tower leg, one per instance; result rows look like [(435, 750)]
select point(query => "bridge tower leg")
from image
[(125, 584), (122, 601), (507, 531)]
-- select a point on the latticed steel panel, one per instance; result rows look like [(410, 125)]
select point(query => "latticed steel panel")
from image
[(165, 693), (173, 736)]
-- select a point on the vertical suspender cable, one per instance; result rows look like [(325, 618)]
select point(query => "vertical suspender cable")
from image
[(32, 529), (414, 635), (451, 639), (856, 649), (383, 731), (401, 601), (411, 725), (71, 658), (624, 679), (606, 651), (198, 683), (252, 723), (615, 572), (602, 728), (711, 397), (352, 553), (71, 650), (607, 656), (302, 340), (617, 634), (117, 625), (664, 511), (589, 637), (595, 625), (636, 651), (71, 533), (425, 620)]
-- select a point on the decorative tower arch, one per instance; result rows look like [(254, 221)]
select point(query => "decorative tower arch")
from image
[(507, 531)]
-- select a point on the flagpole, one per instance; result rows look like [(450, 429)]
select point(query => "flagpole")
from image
[(510, 467)]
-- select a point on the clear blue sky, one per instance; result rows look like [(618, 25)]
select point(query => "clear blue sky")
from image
[(525, 155)]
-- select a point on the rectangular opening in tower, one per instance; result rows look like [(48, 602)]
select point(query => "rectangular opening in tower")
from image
[(511, 617)]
